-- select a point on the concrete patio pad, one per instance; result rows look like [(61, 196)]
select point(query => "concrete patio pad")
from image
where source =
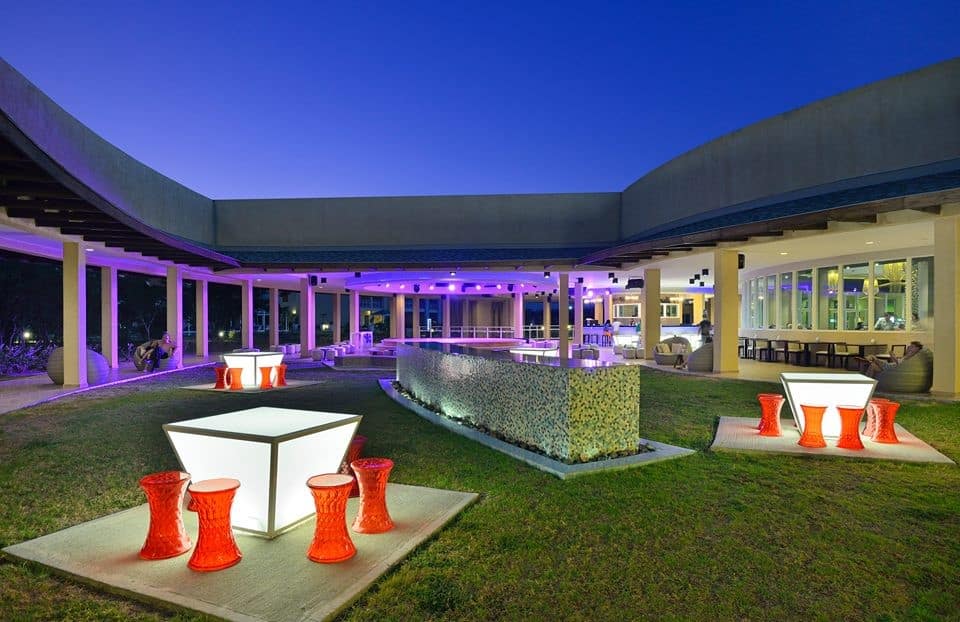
[(740, 434), (274, 581), (291, 384)]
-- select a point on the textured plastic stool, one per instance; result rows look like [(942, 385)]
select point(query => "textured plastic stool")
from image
[(331, 540), (353, 453), (770, 406), (850, 427), (282, 375), (812, 426), (221, 377), (216, 549), (885, 418), (265, 373), (873, 413), (166, 536), (234, 377), (372, 473)]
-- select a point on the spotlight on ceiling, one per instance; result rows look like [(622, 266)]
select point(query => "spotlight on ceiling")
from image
[(616, 280), (509, 287), (451, 287), (611, 275), (579, 279), (546, 274), (323, 279), (416, 288), (705, 272), (477, 287), (453, 273), (696, 275), (692, 281), (701, 283), (499, 286), (432, 287), (356, 275)]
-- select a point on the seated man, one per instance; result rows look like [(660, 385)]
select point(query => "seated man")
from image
[(874, 365), (152, 351)]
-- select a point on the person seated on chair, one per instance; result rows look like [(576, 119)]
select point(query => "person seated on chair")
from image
[(151, 352), (875, 366)]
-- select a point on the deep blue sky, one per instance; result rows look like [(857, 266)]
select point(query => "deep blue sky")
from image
[(291, 99)]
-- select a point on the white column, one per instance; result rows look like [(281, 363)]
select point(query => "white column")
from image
[(336, 318), (608, 307), (577, 313), (109, 320), (547, 320), (946, 281), (415, 320), (246, 314), (74, 315), (273, 316), (464, 315), (354, 315), (650, 319), (308, 317), (563, 302), (203, 319), (447, 320), (726, 303), (518, 315), (175, 311)]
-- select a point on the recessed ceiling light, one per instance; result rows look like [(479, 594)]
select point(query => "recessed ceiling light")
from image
[(784, 253), (89, 250), (869, 242), (453, 273)]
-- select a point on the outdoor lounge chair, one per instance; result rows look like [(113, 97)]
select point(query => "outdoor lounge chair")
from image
[(912, 375), (701, 359), (665, 352)]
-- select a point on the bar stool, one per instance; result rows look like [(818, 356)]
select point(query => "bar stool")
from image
[(166, 536), (770, 406), (812, 426), (873, 409), (221, 373), (372, 473), (281, 375), (353, 453), (331, 540), (265, 378), (234, 377), (849, 427), (216, 549), (886, 415)]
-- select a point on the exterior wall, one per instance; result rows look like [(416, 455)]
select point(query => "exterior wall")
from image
[(127, 184), (481, 221), (906, 121)]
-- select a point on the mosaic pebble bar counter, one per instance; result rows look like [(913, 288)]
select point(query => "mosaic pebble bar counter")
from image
[(572, 410)]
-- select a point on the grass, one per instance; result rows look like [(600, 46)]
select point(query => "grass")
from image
[(710, 536)]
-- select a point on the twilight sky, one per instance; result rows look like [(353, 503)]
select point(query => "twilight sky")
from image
[(296, 99)]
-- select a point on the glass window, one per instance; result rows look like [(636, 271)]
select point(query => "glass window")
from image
[(804, 299), (827, 284), (921, 294), (770, 297), (855, 296), (786, 300), (760, 307), (890, 298), (669, 309)]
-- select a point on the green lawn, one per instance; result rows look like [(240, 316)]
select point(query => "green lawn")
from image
[(710, 536)]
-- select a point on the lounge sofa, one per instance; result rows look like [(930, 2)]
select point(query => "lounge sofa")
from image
[(912, 375), (701, 359), (669, 350)]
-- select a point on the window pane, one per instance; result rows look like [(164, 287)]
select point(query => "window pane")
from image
[(921, 296), (770, 297), (890, 298), (804, 298), (855, 296), (827, 283), (786, 309)]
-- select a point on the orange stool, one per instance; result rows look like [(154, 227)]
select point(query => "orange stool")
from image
[(233, 376), (216, 549), (282, 375), (812, 426), (166, 536), (331, 540), (873, 409), (221, 377), (886, 415), (770, 406), (353, 453), (265, 378), (372, 473), (849, 427)]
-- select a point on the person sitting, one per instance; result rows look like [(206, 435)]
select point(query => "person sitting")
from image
[(151, 352), (875, 366), (887, 321)]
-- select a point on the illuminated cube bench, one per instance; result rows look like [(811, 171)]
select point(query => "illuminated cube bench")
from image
[(250, 363), (830, 390), (272, 451)]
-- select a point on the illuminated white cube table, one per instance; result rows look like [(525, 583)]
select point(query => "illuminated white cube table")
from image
[(250, 363), (272, 451), (830, 390)]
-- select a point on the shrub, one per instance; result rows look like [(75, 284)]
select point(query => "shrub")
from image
[(20, 357)]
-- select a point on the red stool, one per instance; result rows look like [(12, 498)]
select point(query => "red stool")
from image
[(216, 549), (221, 377), (353, 453), (812, 426), (233, 376), (372, 473), (282, 375), (331, 540), (265, 378), (166, 536), (886, 415), (849, 427), (770, 406), (873, 409)]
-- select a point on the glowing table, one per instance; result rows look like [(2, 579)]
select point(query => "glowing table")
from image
[(250, 363), (272, 451), (830, 390)]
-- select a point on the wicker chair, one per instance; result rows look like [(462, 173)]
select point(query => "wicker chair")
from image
[(669, 357), (912, 375), (701, 359)]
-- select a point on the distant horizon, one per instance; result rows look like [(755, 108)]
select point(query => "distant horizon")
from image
[(312, 102)]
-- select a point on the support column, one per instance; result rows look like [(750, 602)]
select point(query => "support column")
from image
[(650, 318), (447, 320), (74, 315), (518, 315), (203, 319), (354, 317), (547, 320), (726, 303), (175, 312), (273, 316), (246, 314), (398, 316), (464, 316), (415, 321), (598, 312), (308, 317), (109, 320), (946, 281), (608, 307), (698, 307), (563, 302), (577, 314), (337, 320)]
